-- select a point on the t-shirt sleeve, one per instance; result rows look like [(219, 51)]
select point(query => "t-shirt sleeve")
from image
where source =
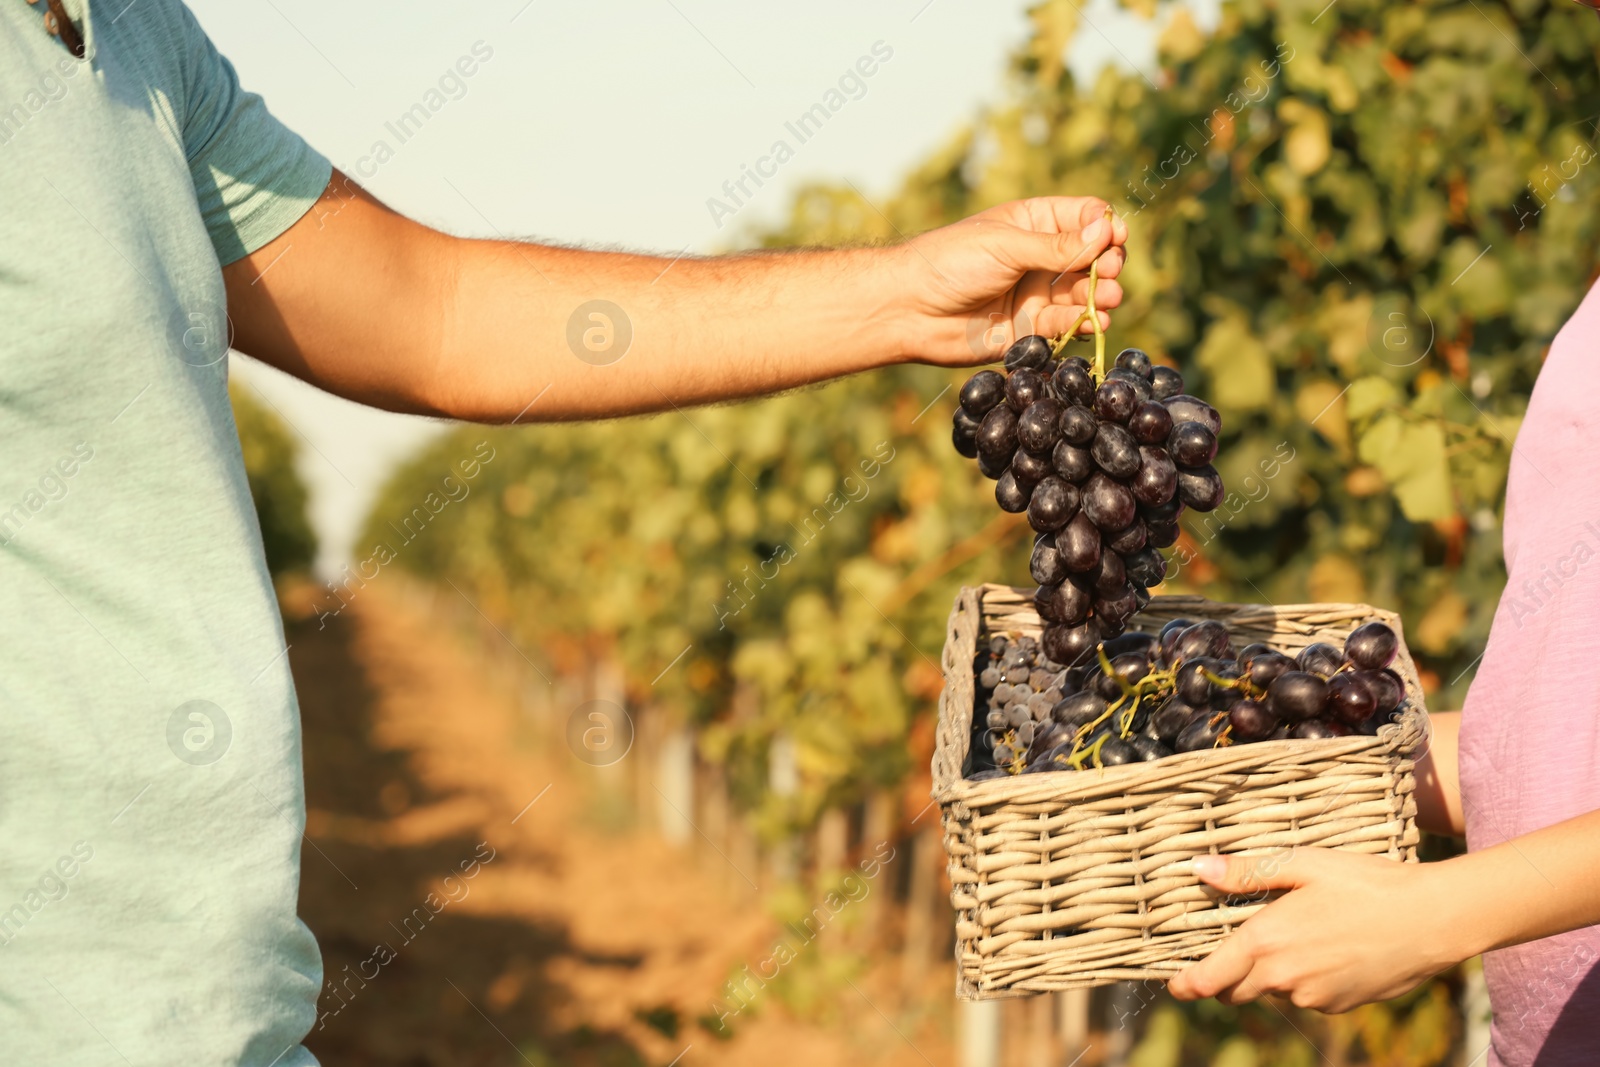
[(254, 177)]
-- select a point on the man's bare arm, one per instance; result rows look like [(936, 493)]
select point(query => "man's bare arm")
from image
[(367, 304)]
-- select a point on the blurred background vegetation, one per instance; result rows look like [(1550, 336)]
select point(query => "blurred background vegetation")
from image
[(1355, 228), (275, 485)]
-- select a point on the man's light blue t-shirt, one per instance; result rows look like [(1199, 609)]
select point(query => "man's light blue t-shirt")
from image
[(151, 802)]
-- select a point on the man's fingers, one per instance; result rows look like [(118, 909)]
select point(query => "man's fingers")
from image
[(1226, 967), (1056, 319), (1060, 253), (1107, 294)]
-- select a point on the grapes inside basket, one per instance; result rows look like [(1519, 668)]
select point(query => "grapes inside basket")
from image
[(1070, 866)]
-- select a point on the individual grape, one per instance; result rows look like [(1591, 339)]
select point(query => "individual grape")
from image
[(1250, 721), (1016, 715), (1115, 451), (989, 678), (1165, 383), (1349, 699), (1053, 504), (1207, 638), (982, 392), (1075, 464), (1031, 352), (1156, 481), (1149, 748), (1134, 641), (964, 433), (1030, 468), (1129, 667), (1077, 425), (1038, 427), (1136, 360), (1267, 667), (1146, 567), (1022, 692), (1127, 541), (1010, 494), (1224, 696), (1191, 444), (1170, 718), (1200, 487), (1202, 732), (996, 719), (1387, 689), (1150, 423), (1063, 603), (998, 646), (1077, 710), (1167, 512), (994, 466), (1002, 693), (1071, 644), (1115, 400), (1024, 387), (1115, 752), (1103, 685), (1046, 735), (1038, 679), (1173, 627), (1045, 566), (997, 434), (1161, 534), (1002, 754), (1025, 732), (1318, 729), (1250, 652), (1078, 544), (1108, 503), (1297, 695), (1141, 387), (1372, 646), (1073, 384), (1117, 610), (1039, 706), (1376, 721), (1320, 658), (1109, 575), (1191, 685), (1186, 408)]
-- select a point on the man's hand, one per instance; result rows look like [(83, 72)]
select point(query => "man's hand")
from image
[(1352, 929), (1017, 269), (365, 303)]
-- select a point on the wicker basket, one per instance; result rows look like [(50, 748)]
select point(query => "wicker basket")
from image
[(1067, 880)]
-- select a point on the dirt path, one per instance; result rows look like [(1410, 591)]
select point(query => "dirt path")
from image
[(567, 944)]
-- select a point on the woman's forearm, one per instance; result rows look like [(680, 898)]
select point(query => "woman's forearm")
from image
[(1533, 886), (1439, 808)]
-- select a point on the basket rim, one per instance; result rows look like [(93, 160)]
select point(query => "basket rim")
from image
[(1404, 739)]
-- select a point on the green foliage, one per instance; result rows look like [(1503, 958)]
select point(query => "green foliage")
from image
[(279, 495), (763, 570), (1308, 191), (1393, 200)]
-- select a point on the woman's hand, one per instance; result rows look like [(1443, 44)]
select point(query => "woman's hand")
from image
[(1352, 929)]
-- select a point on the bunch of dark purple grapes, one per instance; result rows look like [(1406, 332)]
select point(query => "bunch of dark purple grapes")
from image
[(1183, 689), (1102, 467)]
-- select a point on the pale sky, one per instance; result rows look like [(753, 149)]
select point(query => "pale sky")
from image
[(606, 124)]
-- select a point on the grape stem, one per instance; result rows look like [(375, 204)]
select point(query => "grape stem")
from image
[(1092, 316)]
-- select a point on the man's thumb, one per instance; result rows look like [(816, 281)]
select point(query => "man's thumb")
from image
[(1026, 250)]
